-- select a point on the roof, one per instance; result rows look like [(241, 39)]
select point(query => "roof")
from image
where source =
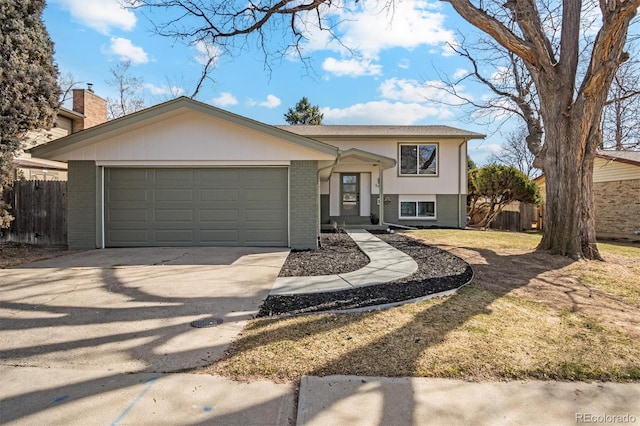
[(66, 112), (38, 163), (157, 113), (367, 157), (629, 157), (380, 131)]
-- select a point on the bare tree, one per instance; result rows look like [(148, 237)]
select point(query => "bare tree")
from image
[(515, 153), (67, 82), (621, 120), (545, 37), (128, 88)]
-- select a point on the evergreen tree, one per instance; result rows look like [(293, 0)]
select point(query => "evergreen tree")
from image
[(28, 83), (304, 113)]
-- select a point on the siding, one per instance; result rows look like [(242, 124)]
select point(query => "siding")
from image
[(303, 205), (81, 205), (607, 171)]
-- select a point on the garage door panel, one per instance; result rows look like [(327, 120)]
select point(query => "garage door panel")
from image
[(264, 216), (171, 195), (219, 215), (128, 177), (220, 236), (165, 215), (170, 236), (127, 215), (174, 176), (127, 194), (132, 236), (219, 195), (196, 207)]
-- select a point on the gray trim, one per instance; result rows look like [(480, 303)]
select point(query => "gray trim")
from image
[(88, 137), (81, 205), (303, 204), (446, 212)]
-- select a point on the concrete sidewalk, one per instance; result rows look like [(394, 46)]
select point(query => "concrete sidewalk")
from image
[(32, 395), (353, 401), (57, 396), (386, 264)]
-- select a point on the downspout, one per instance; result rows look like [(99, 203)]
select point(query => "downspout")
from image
[(380, 194), (461, 224), (318, 224)]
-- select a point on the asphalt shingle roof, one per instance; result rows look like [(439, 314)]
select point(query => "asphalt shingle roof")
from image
[(378, 130)]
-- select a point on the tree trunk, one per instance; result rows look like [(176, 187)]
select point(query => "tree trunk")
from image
[(568, 165)]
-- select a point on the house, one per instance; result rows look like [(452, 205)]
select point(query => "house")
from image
[(616, 194), (88, 110), (184, 173)]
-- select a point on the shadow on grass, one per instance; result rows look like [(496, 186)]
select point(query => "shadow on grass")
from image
[(397, 353)]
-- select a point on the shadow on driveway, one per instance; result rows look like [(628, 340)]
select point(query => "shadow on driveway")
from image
[(128, 310)]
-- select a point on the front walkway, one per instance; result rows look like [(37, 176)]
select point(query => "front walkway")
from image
[(386, 264)]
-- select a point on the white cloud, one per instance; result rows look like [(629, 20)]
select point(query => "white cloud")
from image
[(225, 99), (126, 50), (383, 112), (351, 67), (369, 30), (101, 15), (205, 51), (460, 73), (406, 90), (404, 64), (272, 101), (164, 90)]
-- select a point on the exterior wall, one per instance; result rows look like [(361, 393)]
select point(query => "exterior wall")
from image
[(605, 170), (303, 205), (194, 137), (448, 212), (617, 206), (451, 176), (81, 205), (92, 106), (29, 173)]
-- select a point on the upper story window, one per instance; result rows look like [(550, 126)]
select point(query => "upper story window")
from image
[(418, 159)]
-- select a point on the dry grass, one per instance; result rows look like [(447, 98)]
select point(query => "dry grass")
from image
[(14, 254), (527, 315)]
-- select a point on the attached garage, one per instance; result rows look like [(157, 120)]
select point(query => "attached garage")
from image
[(195, 207), (184, 173)]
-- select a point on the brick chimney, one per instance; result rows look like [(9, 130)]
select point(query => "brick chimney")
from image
[(92, 106)]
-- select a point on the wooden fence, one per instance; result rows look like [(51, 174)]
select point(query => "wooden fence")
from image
[(40, 212), (522, 219)]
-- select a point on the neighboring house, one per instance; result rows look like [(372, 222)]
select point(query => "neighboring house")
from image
[(88, 110), (616, 193), (184, 173)]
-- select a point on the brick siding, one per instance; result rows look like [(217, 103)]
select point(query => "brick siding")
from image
[(81, 205), (92, 106), (303, 205), (617, 206)]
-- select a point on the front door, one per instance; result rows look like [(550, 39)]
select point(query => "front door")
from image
[(350, 194)]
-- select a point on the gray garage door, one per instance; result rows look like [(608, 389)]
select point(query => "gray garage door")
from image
[(195, 207)]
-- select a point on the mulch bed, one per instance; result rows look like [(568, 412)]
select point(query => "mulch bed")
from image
[(338, 254), (437, 271)]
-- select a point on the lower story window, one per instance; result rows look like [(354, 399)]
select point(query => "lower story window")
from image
[(417, 209)]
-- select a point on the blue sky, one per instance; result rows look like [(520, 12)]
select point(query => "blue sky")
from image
[(387, 76)]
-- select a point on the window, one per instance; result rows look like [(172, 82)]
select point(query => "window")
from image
[(419, 159), (417, 210)]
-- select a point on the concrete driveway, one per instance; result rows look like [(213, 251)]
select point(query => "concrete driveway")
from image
[(130, 310)]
